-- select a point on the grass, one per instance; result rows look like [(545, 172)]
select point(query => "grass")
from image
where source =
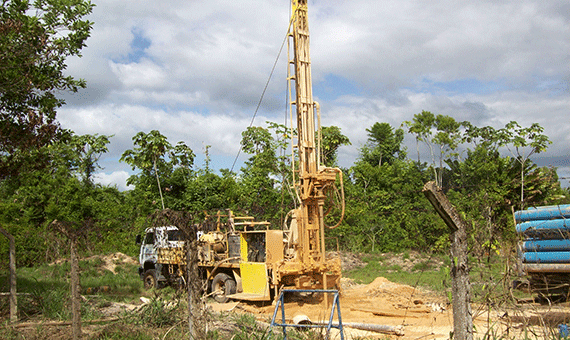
[(424, 273), (45, 296), (123, 283), (44, 290)]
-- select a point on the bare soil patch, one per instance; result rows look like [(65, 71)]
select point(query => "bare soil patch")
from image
[(111, 261), (418, 313)]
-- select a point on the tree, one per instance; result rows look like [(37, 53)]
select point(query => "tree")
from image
[(261, 171), (332, 139), (437, 130), (421, 127), (155, 156), (30, 201), (448, 137), (487, 184), (79, 154), (526, 142), (35, 41), (89, 148), (386, 212), (384, 144)]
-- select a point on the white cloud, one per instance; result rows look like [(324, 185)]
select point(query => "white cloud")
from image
[(204, 69), (116, 178), (355, 114), (143, 74)]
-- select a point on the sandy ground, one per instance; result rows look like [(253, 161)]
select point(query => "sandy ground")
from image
[(419, 315), (414, 313)]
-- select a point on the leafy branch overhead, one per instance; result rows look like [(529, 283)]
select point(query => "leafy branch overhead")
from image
[(35, 41)]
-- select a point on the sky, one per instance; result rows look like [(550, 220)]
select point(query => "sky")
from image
[(196, 70)]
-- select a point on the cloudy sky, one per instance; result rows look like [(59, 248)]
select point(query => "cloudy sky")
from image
[(195, 70)]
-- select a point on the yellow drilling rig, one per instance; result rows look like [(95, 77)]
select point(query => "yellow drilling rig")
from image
[(308, 266), (246, 260)]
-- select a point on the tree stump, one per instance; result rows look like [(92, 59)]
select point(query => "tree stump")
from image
[(460, 286)]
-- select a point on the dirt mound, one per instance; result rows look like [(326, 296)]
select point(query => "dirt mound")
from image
[(381, 302), (381, 286), (111, 261), (108, 262), (349, 261)]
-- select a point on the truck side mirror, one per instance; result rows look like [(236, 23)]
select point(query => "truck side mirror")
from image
[(138, 240)]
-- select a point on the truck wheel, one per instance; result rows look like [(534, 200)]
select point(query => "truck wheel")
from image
[(223, 285), (149, 279)]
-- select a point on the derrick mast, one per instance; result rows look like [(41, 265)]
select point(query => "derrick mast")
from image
[(311, 179)]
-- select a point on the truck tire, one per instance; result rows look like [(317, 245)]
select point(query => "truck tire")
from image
[(149, 279), (225, 284)]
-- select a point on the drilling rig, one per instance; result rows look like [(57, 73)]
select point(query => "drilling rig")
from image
[(313, 182), (246, 260)]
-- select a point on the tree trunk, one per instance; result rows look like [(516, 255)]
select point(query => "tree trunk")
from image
[(158, 181), (195, 326), (191, 300), (522, 184), (460, 287)]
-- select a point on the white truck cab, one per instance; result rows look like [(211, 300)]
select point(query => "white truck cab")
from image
[(155, 238)]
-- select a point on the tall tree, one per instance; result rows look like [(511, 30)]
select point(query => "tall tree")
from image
[(260, 172), (155, 156), (384, 144), (80, 154), (448, 137), (421, 127), (35, 41), (523, 143)]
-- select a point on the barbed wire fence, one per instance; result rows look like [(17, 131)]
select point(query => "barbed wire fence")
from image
[(188, 224), (74, 232)]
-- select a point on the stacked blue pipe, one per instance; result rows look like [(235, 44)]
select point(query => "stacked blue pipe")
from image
[(543, 213), (546, 238)]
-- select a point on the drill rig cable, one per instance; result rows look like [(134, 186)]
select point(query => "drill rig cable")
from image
[(342, 201), (265, 88)]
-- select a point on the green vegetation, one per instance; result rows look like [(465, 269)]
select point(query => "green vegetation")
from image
[(46, 290), (36, 39), (46, 174), (385, 208)]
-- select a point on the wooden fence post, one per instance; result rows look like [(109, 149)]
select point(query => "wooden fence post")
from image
[(75, 296), (13, 291), (74, 231)]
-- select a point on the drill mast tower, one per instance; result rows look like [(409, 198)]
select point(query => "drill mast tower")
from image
[(312, 181)]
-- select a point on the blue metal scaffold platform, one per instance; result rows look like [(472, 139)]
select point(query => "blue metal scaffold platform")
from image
[(328, 326)]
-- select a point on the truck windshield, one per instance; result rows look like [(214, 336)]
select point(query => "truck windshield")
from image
[(149, 238), (174, 235)]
